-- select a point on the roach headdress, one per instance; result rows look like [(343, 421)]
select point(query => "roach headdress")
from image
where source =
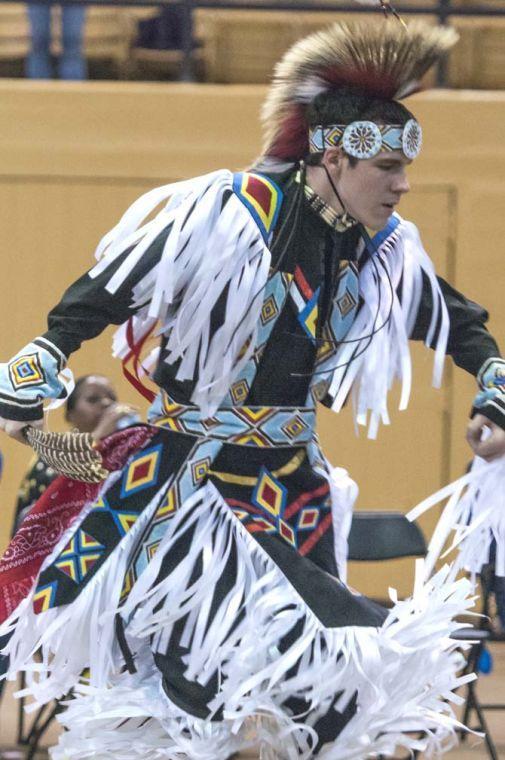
[(384, 60)]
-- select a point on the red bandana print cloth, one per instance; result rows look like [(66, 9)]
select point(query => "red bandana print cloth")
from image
[(52, 514)]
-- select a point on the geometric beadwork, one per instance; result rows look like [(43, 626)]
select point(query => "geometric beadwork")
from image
[(151, 549), (306, 302), (199, 470), (169, 504), (261, 197), (308, 518), (79, 556), (346, 303), (365, 139), (294, 427), (239, 391), (269, 493), (142, 471), (26, 371), (43, 598), (287, 532), (341, 317), (264, 525), (124, 520), (308, 316), (260, 426), (269, 310)]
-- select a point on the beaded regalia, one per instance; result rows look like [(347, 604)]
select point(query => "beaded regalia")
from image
[(201, 590)]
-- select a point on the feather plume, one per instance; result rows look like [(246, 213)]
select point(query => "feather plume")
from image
[(70, 454), (384, 60)]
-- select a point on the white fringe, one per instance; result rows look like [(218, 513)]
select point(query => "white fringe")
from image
[(404, 673), (344, 492), (475, 512), (134, 720), (209, 250), (385, 356)]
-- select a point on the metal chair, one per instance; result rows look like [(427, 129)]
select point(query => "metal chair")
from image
[(376, 536), (29, 736), (485, 633), (384, 535)]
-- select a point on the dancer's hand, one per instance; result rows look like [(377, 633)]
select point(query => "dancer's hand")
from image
[(13, 428), (111, 419), (486, 438)]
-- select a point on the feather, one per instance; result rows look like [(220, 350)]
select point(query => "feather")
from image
[(383, 60)]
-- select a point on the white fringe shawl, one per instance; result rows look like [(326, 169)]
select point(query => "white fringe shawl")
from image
[(376, 351), (210, 249), (475, 512), (404, 672)]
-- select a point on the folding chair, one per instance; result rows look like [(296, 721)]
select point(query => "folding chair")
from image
[(485, 633), (384, 535), (376, 536), (31, 735)]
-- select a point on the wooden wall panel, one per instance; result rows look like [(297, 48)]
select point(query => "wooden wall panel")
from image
[(73, 156)]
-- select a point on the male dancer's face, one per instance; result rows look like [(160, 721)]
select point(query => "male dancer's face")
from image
[(371, 188)]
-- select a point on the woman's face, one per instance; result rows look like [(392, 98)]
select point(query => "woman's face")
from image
[(95, 396)]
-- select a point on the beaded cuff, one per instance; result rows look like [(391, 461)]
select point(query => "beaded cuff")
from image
[(31, 376), (490, 400)]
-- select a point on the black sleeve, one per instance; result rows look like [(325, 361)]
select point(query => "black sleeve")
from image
[(470, 344), (87, 307)]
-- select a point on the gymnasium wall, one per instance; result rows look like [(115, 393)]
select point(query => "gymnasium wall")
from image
[(72, 157)]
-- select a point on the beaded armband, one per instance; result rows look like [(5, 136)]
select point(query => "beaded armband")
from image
[(31, 376), (490, 400)]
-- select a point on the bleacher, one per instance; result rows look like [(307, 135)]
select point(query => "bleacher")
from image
[(242, 44)]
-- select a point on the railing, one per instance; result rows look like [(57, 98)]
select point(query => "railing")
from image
[(441, 9)]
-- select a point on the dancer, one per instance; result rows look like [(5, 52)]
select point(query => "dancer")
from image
[(202, 592)]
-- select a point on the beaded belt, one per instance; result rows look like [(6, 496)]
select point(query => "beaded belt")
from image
[(263, 426)]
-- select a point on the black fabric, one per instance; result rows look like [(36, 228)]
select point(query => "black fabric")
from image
[(192, 696), (332, 602), (470, 344), (494, 413), (87, 308), (27, 413), (302, 484), (33, 485)]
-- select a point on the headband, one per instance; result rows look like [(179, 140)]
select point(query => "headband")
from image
[(365, 139)]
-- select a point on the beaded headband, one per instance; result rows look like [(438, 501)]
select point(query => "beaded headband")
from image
[(365, 139)]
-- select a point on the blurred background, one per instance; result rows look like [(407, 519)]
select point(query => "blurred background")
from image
[(99, 102), (221, 41)]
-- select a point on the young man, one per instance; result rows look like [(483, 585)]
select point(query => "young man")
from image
[(202, 588)]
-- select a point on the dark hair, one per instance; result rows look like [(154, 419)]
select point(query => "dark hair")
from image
[(344, 105), (74, 396)]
